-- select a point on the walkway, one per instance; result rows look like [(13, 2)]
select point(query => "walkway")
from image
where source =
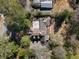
[(41, 51)]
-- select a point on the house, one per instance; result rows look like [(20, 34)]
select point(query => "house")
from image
[(39, 29), (46, 4), (42, 4)]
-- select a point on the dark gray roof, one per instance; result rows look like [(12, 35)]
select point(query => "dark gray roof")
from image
[(46, 5), (43, 0), (43, 3), (36, 1)]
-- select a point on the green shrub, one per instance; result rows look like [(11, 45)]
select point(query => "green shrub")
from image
[(25, 41)]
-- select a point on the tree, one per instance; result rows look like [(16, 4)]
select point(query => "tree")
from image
[(7, 49), (12, 50), (58, 53), (60, 18), (24, 51), (14, 14), (74, 29), (25, 41)]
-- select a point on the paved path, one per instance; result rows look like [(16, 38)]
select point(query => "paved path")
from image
[(40, 51)]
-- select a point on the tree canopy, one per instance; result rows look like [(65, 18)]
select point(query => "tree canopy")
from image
[(14, 14)]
